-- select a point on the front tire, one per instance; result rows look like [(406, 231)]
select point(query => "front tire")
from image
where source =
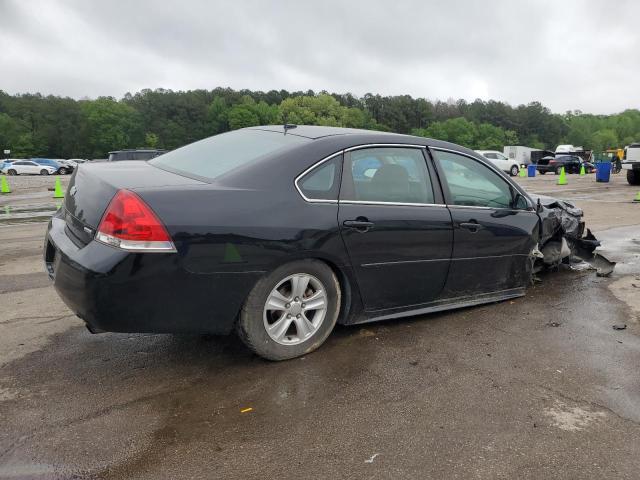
[(514, 170), (63, 171), (291, 311), (12, 172), (44, 172), (633, 177)]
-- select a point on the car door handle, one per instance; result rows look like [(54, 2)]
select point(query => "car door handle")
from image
[(359, 225), (472, 226)]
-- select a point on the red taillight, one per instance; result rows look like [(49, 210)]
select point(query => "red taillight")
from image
[(552, 161), (130, 224)]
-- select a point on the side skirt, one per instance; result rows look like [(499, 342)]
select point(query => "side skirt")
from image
[(439, 306)]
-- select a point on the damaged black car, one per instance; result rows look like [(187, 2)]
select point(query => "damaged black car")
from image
[(280, 232)]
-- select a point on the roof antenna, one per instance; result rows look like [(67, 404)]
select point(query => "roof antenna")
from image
[(288, 126)]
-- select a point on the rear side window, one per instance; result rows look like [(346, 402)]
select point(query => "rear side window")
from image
[(217, 155), (471, 183), (323, 182), (387, 174)]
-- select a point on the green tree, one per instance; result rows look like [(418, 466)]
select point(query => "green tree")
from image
[(151, 140), (604, 139), (109, 125)]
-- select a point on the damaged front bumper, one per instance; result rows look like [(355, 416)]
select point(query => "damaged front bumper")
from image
[(563, 238)]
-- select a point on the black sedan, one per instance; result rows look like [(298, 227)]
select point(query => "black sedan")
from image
[(570, 163), (282, 232)]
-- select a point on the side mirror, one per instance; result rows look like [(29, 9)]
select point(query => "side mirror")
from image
[(520, 202), (539, 206)]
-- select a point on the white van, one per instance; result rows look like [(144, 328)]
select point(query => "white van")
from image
[(501, 161)]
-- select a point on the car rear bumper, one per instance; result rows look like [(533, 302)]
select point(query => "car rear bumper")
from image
[(117, 291)]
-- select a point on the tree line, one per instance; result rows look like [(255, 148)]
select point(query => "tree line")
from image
[(33, 125)]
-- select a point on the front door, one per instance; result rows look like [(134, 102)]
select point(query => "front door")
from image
[(397, 232), (494, 229)]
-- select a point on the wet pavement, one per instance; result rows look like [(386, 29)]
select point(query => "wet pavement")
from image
[(538, 387)]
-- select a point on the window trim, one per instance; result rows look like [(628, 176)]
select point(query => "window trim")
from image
[(397, 204), (488, 164), (309, 170)]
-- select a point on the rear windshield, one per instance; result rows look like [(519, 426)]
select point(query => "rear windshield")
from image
[(217, 155)]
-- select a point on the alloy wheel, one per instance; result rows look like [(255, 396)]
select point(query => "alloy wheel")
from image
[(295, 309)]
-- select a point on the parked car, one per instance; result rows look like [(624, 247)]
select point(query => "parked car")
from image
[(631, 163), (59, 168), (571, 164), (501, 161), (4, 164), (139, 154), (28, 167), (267, 231)]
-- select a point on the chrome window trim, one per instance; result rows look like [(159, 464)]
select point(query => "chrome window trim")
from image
[(397, 204), (312, 167), (491, 167)]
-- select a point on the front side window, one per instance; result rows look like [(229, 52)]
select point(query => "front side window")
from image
[(323, 182), (387, 174), (499, 156), (471, 183)]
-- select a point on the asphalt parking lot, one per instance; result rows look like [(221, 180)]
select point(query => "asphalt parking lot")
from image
[(538, 387)]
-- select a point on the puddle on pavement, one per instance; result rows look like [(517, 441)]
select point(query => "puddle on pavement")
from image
[(622, 245), (27, 213)]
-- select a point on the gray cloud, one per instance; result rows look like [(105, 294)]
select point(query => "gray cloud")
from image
[(568, 55)]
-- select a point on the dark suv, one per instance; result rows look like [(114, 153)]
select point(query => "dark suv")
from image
[(571, 164), (142, 154)]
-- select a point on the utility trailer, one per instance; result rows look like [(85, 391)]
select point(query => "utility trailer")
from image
[(519, 153)]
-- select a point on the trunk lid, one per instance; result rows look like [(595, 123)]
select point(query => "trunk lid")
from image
[(93, 186)]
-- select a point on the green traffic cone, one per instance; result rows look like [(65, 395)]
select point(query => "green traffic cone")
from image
[(522, 172), (562, 180), (58, 193), (4, 185), (582, 172), (637, 199)]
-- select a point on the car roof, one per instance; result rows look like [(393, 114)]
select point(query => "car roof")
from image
[(347, 136), (317, 131), (138, 150)]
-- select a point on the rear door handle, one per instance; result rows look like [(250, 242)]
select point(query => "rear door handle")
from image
[(359, 225), (472, 226)]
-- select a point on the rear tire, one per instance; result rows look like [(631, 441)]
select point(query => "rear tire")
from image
[(514, 171), (542, 172), (44, 172), (276, 302), (633, 177), (12, 172)]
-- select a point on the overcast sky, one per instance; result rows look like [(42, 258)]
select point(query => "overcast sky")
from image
[(567, 54)]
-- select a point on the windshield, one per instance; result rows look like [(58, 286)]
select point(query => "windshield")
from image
[(217, 155)]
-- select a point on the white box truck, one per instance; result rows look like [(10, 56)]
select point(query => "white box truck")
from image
[(631, 163), (520, 154)]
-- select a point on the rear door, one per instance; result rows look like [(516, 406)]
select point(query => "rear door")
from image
[(395, 227), (33, 168), (494, 229)]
